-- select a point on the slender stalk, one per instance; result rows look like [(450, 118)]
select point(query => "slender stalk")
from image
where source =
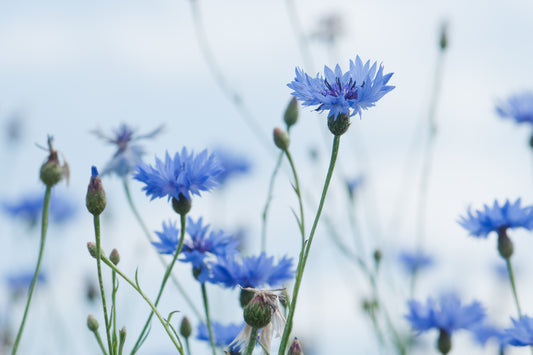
[(251, 343), (298, 194), (175, 281), (208, 319), (114, 309), (304, 254), (96, 220), (188, 347), (44, 228), (268, 201), (513, 286), (175, 340), (183, 219), (99, 340)]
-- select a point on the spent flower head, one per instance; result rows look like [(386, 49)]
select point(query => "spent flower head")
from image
[(518, 107)]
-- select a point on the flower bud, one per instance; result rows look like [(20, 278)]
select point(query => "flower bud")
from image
[(182, 205), (291, 113), (95, 199), (377, 256), (505, 245), (122, 335), (185, 328), (444, 343), (257, 312), (281, 139), (92, 249), (443, 42), (338, 125), (114, 256), (296, 348), (92, 323)]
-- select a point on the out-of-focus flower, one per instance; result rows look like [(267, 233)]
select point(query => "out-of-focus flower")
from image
[(495, 218), (521, 334), (484, 332), (185, 174), (223, 334), (128, 154), (19, 283), (413, 262), (232, 165), (353, 184), (518, 107), (329, 28), (15, 127), (342, 93), (252, 271), (168, 238), (29, 208)]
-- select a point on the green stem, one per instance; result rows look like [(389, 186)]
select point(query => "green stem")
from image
[(301, 222), (183, 219), (175, 281), (251, 343), (44, 227), (99, 340), (114, 310), (208, 319), (304, 254), (96, 219), (268, 201), (187, 346), (513, 286), (175, 341)]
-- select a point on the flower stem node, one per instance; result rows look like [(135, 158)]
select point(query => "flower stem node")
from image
[(281, 139), (92, 323), (182, 205), (92, 249), (95, 199), (258, 312), (185, 328), (291, 113), (245, 297), (338, 125), (505, 245), (444, 343), (114, 256), (296, 348)]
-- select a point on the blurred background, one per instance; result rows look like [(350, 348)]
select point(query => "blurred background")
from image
[(68, 68)]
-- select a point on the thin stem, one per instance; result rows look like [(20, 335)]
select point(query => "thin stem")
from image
[(251, 343), (188, 347), (208, 319), (175, 281), (183, 219), (176, 341), (96, 220), (44, 227), (99, 340), (301, 222), (304, 254), (513, 285), (114, 309), (268, 201)]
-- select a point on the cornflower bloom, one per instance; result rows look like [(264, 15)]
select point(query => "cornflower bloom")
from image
[(518, 107), (413, 262), (29, 208), (521, 334), (128, 154), (447, 317), (184, 175), (342, 94), (222, 334), (232, 165)]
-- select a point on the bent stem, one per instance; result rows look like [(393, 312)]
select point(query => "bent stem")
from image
[(138, 344), (44, 228), (304, 254), (208, 319), (175, 281), (251, 343)]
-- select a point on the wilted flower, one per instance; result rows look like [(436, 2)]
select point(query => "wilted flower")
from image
[(128, 154)]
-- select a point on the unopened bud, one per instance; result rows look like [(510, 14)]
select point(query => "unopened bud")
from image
[(114, 256), (444, 343), (92, 249), (182, 205), (338, 125), (296, 348), (122, 335), (505, 245), (291, 113), (92, 323), (377, 256), (185, 328), (257, 312), (281, 139), (95, 199), (443, 42)]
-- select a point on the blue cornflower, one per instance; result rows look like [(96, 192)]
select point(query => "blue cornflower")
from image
[(497, 218), (168, 238), (20, 282), (232, 164), (450, 315), (128, 154), (521, 334), (484, 332), (184, 175), (202, 246), (342, 93), (413, 262), (252, 271), (518, 107), (223, 334)]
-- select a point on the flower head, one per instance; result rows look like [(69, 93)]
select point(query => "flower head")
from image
[(449, 315), (518, 107), (185, 174), (128, 154), (223, 334), (342, 93), (521, 334), (252, 271), (168, 238), (414, 262), (492, 219), (232, 165)]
